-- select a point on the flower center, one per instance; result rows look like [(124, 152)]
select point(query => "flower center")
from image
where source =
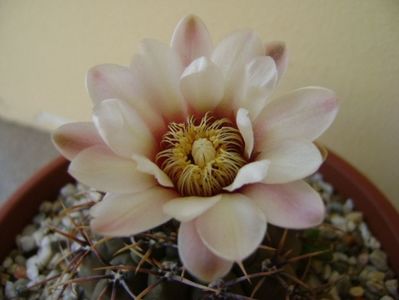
[(201, 157)]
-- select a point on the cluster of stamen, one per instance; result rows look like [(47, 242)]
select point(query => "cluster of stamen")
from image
[(201, 157)]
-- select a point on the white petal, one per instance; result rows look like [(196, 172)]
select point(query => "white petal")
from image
[(157, 71), (188, 208), (232, 54), (233, 228), (244, 125), (145, 165), (110, 81), (129, 214), (71, 138), (278, 51), (304, 113), (250, 173), (202, 85), (258, 84), (196, 257), (290, 160), (293, 205), (191, 39), (123, 129), (99, 168)]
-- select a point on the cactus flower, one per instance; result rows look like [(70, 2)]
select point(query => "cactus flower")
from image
[(188, 131)]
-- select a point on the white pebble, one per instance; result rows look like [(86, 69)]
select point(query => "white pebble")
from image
[(364, 231), (26, 243), (373, 243), (32, 271), (67, 190), (348, 205), (10, 291), (7, 262)]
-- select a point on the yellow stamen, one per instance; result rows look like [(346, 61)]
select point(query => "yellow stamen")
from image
[(201, 158)]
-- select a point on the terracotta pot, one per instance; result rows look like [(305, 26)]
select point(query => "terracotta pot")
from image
[(381, 216)]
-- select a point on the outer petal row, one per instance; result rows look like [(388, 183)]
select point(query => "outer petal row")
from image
[(302, 114), (129, 214), (233, 228), (99, 168), (293, 205), (123, 129), (197, 258), (72, 138)]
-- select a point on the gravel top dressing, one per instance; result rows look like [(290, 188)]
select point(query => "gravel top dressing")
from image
[(54, 260)]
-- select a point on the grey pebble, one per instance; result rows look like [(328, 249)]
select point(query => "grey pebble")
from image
[(392, 287), (379, 259)]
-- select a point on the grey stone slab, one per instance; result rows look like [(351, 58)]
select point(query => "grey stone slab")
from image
[(23, 151)]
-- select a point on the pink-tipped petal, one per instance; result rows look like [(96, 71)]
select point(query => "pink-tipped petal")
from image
[(71, 138), (250, 173), (233, 228), (99, 168), (232, 54), (258, 84), (304, 114), (244, 125), (129, 214), (123, 129), (196, 257), (156, 71), (109, 81), (191, 39), (146, 166), (278, 51), (202, 85), (188, 208), (291, 160), (293, 205)]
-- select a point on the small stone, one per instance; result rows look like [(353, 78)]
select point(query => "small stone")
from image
[(334, 294), (46, 207), (373, 243), (339, 256), (356, 291), (26, 243), (20, 260), (350, 226), (375, 287), (7, 262), (335, 207), (327, 272), (343, 285), (352, 260), (38, 236), (29, 230), (67, 190), (379, 259), (45, 252), (386, 297), (364, 231), (363, 258), (10, 291), (392, 287), (376, 276), (19, 272), (348, 205), (356, 217), (32, 271), (338, 221)]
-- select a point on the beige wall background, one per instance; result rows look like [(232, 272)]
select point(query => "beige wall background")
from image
[(46, 46)]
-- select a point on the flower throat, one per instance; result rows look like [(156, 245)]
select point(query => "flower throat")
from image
[(201, 157)]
